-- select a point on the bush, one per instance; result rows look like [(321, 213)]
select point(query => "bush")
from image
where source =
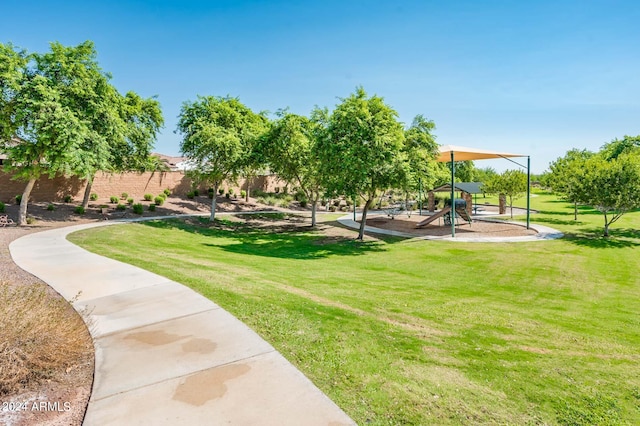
[(227, 195), (159, 201), (167, 192), (130, 201), (220, 191), (210, 195), (124, 196), (303, 203), (152, 207), (113, 199), (191, 195), (18, 199), (163, 195), (31, 220), (148, 197), (93, 197), (79, 210), (40, 336), (277, 189), (196, 192), (3, 207), (243, 193), (138, 208), (284, 203), (323, 202), (68, 198), (51, 207), (230, 191), (332, 208), (121, 207)]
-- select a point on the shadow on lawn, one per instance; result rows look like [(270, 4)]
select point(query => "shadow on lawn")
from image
[(592, 237), (290, 241)]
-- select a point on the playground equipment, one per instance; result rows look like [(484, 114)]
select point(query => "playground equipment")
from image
[(445, 213)]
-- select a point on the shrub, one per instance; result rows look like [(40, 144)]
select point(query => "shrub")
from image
[(138, 208), (210, 194), (220, 191), (152, 207), (303, 203), (129, 201), (230, 191), (159, 201), (167, 192), (113, 199), (196, 192), (79, 210), (284, 203), (243, 193), (163, 195), (93, 197), (191, 195), (323, 202), (40, 335), (148, 197), (68, 198), (51, 207), (332, 208), (277, 189), (18, 199), (3, 207), (336, 203), (124, 196), (30, 220), (121, 207), (227, 195)]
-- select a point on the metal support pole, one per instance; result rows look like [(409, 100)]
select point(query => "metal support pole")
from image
[(528, 190), (453, 208)]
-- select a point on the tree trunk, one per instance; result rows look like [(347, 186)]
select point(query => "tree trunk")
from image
[(248, 181), (213, 202), (575, 210), (363, 221), (511, 206), (606, 226), (87, 192), (314, 205), (22, 214)]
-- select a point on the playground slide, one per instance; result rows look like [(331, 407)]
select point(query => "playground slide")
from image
[(434, 217), (463, 214)]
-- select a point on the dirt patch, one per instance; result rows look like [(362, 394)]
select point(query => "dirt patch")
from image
[(478, 228)]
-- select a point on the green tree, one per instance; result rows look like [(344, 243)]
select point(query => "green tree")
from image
[(612, 186), (362, 151), (290, 148), (484, 175), (55, 106), (216, 132), (512, 183), (252, 160), (421, 149), (564, 177), (617, 147)]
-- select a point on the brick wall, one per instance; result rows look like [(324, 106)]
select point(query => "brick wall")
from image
[(107, 185)]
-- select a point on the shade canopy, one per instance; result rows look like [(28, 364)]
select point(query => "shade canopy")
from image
[(463, 153), (470, 187)]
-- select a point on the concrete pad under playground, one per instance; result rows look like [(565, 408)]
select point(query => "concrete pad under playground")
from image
[(165, 354)]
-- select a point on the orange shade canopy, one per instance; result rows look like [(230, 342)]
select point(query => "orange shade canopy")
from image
[(463, 153)]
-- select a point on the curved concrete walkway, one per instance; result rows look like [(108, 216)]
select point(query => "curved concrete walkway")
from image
[(166, 355), (544, 232)]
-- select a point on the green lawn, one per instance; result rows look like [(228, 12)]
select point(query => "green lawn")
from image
[(427, 332)]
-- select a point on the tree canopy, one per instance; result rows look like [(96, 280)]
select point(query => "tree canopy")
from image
[(216, 132), (512, 183), (362, 151)]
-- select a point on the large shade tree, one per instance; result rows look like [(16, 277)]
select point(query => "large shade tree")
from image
[(62, 110), (612, 186), (565, 179), (215, 134), (290, 148), (362, 151), (421, 150)]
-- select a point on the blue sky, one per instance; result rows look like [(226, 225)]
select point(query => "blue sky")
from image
[(536, 78)]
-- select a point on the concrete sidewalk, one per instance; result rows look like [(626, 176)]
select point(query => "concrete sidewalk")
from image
[(166, 355)]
